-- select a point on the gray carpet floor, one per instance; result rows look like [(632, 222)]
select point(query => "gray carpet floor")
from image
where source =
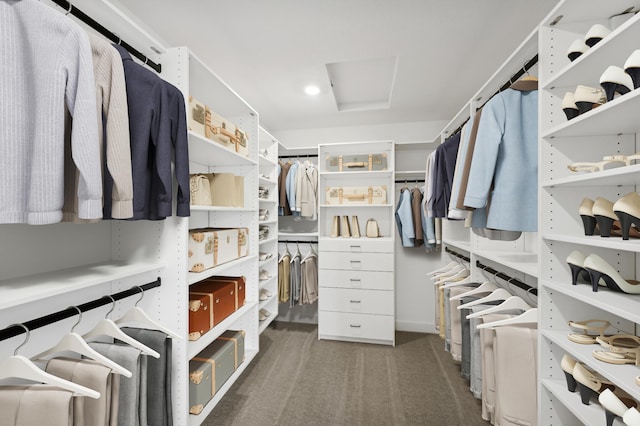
[(298, 380)]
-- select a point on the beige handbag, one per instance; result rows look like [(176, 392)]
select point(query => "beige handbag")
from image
[(373, 230), (200, 190), (355, 227)]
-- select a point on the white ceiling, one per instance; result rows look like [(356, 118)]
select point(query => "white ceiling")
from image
[(269, 50)]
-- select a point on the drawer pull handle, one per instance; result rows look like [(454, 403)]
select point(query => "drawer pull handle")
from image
[(355, 247), (355, 279), (355, 301), (355, 325)]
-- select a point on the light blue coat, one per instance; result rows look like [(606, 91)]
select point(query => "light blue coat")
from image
[(404, 219), (506, 154)]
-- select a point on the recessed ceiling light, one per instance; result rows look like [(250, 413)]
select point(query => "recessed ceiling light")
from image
[(312, 90)]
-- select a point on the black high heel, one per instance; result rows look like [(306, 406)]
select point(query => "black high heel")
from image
[(627, 209), (575, 260), (586, 214), (604, 224), (614, 80), (635, 76), (567, 364), (632, 67), (586, 393), (590, 384), (611, 88), (626, 220), (595, 277)]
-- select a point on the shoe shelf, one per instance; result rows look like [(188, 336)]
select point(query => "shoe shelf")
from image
[(266, 161), (459, 244), (619, 304), (618, 176), (264, 324), (264, 283), (592, 414), (266, 181), (268, 240), (615, 243), (196, 420), (611, 50), (622, 375), (195, 277), (267, 222), (526, 262), (263, 263)]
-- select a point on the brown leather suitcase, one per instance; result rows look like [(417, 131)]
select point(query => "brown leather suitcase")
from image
[(240, 284), (200, 315), (221, 297)]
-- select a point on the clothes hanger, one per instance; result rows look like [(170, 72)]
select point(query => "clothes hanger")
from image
[(485, 287), (69, 10), (309, 254), (443, 269), (73, 342), (527, 317), (463, 273), (107, 327), (465, 281), (138, 316), (21, 367), (459, 267), (499, 294), (297, 253), (512, 303), (286, 252)]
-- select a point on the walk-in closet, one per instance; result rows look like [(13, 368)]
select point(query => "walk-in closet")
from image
[(319, 213)]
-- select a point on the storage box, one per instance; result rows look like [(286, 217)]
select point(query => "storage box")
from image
[(221, 301), (200, 315), (225, 133), (227, 190), (208, 371), (237, 340), (358, 162), (197, 114), (356, 195), (239, 283), (210, 247), (242, 142)]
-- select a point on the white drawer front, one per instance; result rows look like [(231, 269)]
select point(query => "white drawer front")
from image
[(356, 301), (369, 280), (357, 245), (359, 326), (356, 261)]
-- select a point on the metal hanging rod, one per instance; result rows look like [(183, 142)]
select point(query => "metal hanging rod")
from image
[(507, 278), (15, 330), (456, 254), (298, 156), (297, 242), (409, 180), (70, 8)]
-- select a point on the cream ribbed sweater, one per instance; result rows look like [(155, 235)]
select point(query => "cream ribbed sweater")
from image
[(46, 64), (111, 101)]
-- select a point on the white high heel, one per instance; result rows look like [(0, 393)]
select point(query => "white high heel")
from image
[(569, 106), (599, 269), (586, 98), (614, 80), (615, 405), (595, 34), (631, 417), (632, 67), (577, 48)]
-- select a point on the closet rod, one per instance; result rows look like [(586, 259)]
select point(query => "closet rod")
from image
[(456, 254), (298, 156), (507, 278), (297, 242), (105, 32), (409, 180), (70, 312)]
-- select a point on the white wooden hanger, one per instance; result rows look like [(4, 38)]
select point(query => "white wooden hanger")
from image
[(512, 303), (448, 273), (526, 318), (464, 273), (443, 269), (309, 254), (485, 287), (73, 342), (286, 252), (465, 281), (107, 327), (138, 316), (499, 294), (297, 253), (21, 367)]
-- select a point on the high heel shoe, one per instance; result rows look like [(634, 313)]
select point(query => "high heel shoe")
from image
[(567, 364), (569, 106), (614, 80), (589, 383), (605, 217), (587, 98), (577, 48), (595, 34), (615, 404), (627, 209), (575, 260), (632, 67), (631, 417), (598, 269), (585, 210)]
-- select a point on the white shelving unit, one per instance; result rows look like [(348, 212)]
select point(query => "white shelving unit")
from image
[(356, 275), (268, 163), (609, 129)]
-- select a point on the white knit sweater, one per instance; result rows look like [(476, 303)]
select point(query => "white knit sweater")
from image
[(45, 64)]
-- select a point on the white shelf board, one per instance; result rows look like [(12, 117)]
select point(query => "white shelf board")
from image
[(616, 243), (267, 200), (210, 153), (592, 414), (264, 161), (264, 324), (266, 222), (364, 173), (526, 262), (196, 346), (31, 288), (587, 11), (267, 181), (351, 206), (625, 175), (196, 208), (263, 283), (196, 420), (298, 234), (622, 375), (621, 304), (263, 263), (194, 277), (616, 117), (264, 303), (590, 65), (460, 244), (268, 240), (326, 239)]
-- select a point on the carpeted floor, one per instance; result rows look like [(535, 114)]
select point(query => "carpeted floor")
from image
[(298, 380)]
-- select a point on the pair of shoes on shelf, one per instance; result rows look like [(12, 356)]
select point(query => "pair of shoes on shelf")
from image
[(588, 327), (621, 217), (618, 349), (264, 294), (631, 417), (618, 404), (579, 46), (600, 272), (584, 99), (618, 159), (263, 214), (263, 314), (265, 256), (588, 382), (264, 275)]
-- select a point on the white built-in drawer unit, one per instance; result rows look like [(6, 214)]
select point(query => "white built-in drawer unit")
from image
[(368, 280), (358, 245), (356, 301), (356, 261), (357, 327)]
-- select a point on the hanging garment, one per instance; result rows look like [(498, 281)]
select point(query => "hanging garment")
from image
[(487, 340), (428, 225), (291, 187), (432, 160), (309, 278), (294, 279), (506, 158), (92, 374), (416, 214), (475, 379), (283, 277), (444, 168), (159, 401), (132, 389), (113, 135), (468, 157), (42, 48), (455, 323), (454, 211), (30, 405), (404, 218), (308, 196), (283, 203)]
